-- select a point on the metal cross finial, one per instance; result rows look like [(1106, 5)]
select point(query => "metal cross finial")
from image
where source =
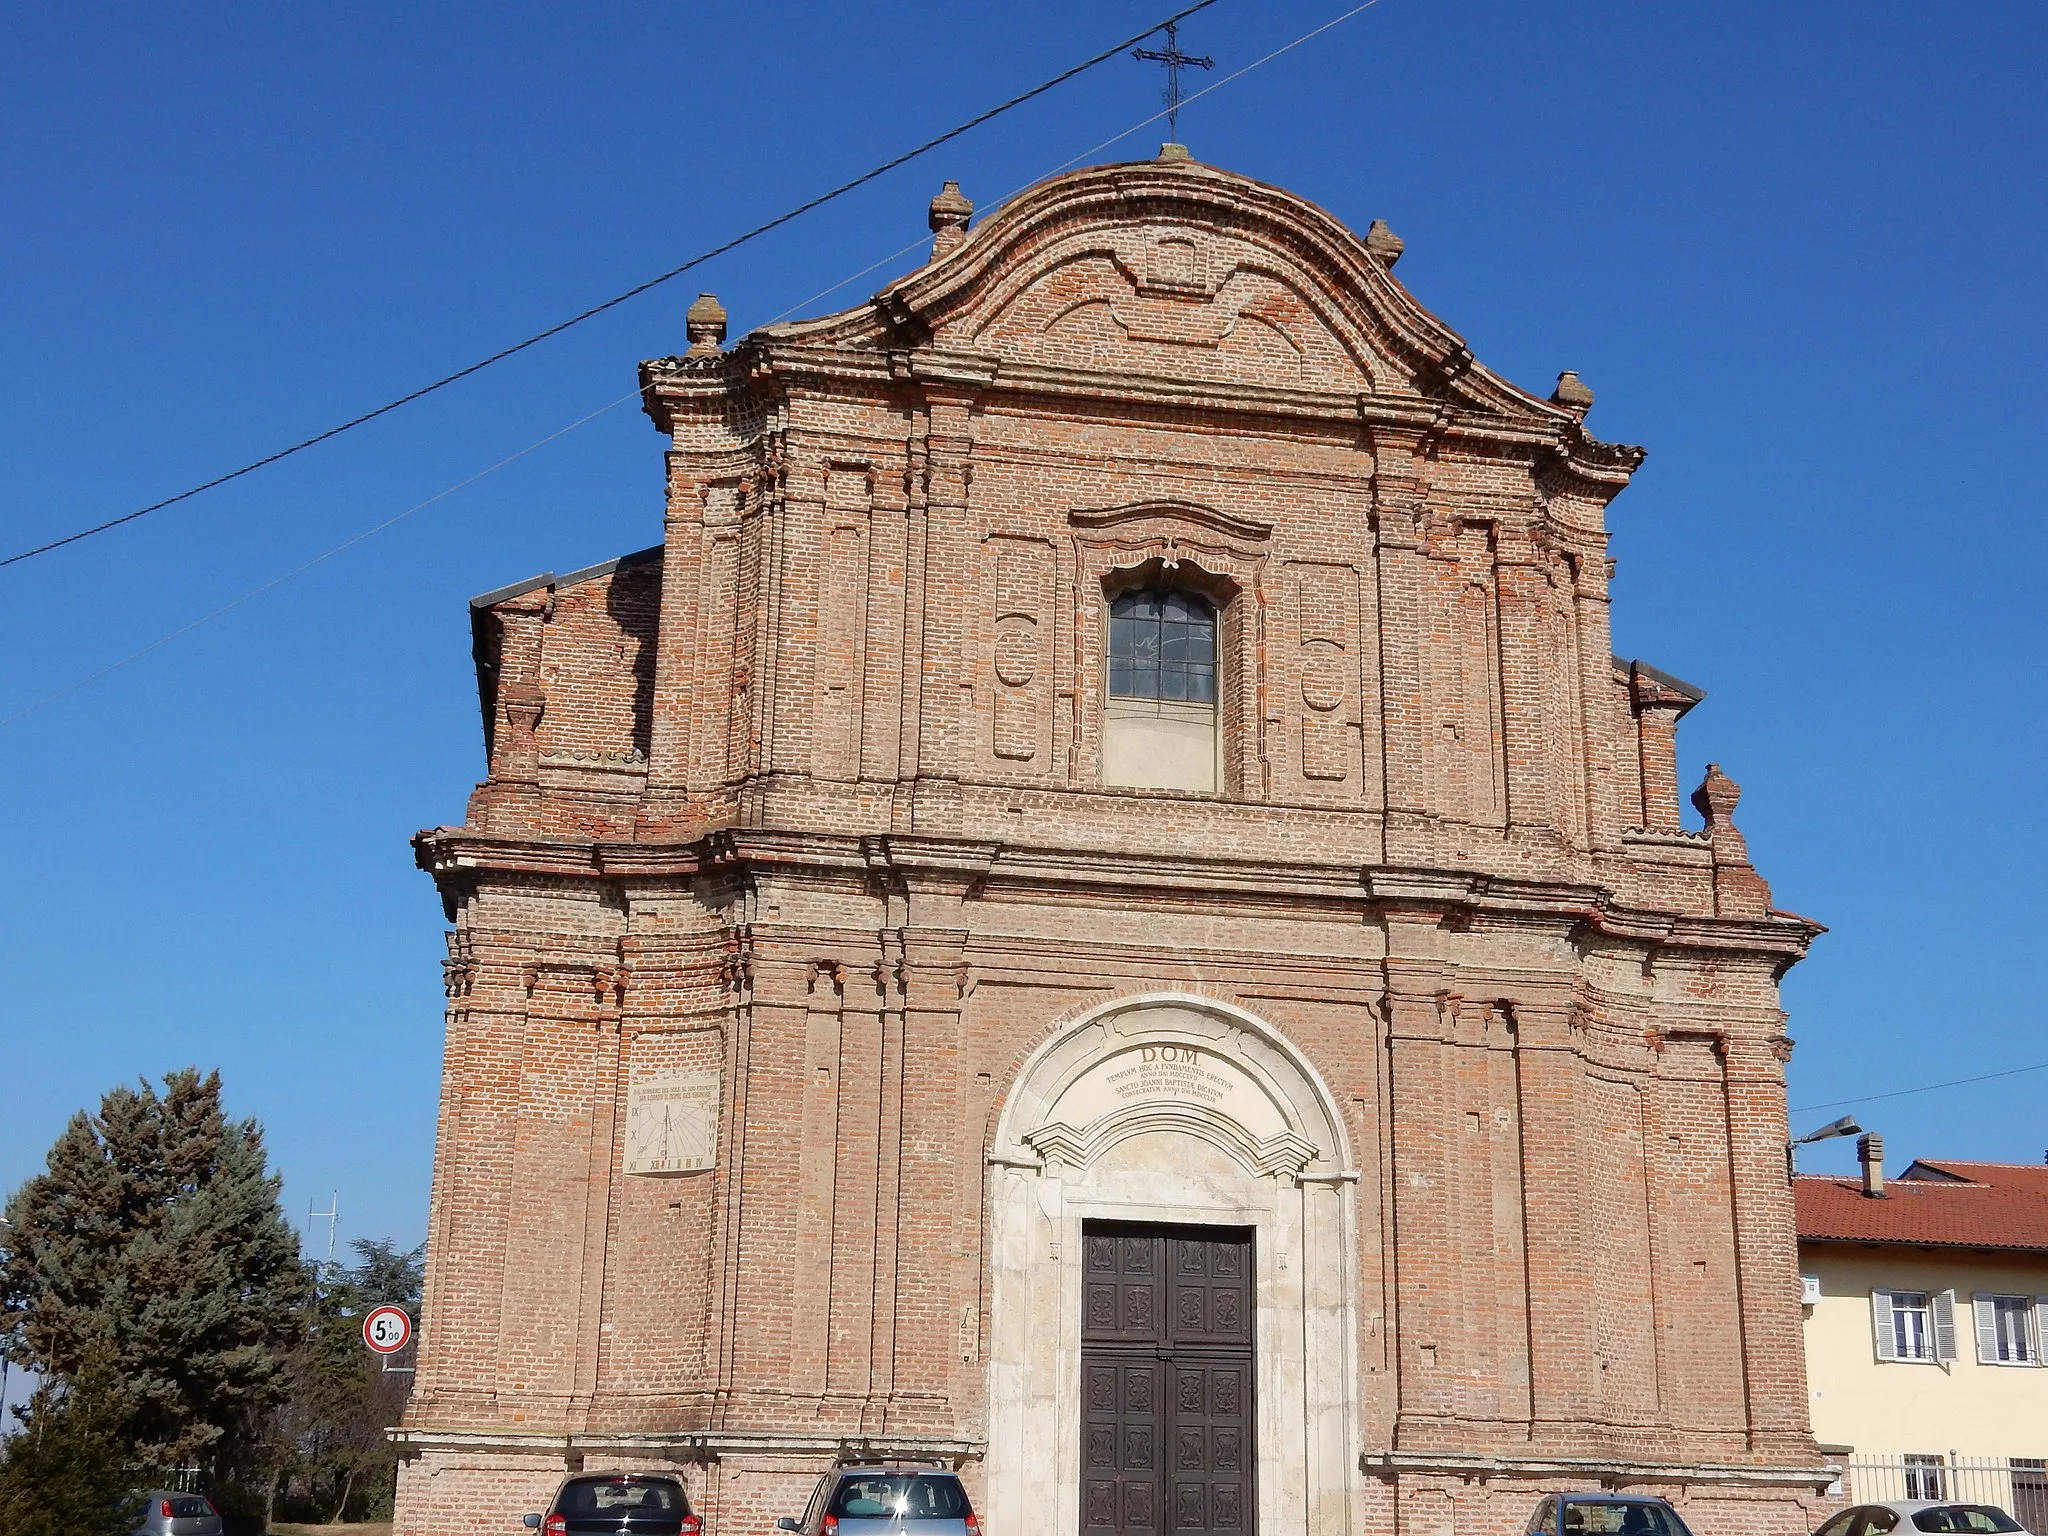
[(1175, 61)]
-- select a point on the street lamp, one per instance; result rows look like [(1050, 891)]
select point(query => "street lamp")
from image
[(1846, 1126)]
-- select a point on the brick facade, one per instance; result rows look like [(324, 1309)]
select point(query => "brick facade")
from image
[(803, 809)]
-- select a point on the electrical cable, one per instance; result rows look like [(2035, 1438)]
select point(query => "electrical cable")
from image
[(612, 303), (1900, 1093), (306, 565), (983, 211), (355, 539)]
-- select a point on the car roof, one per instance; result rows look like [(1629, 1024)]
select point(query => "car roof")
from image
[(855, 1468), (1610, 1498)]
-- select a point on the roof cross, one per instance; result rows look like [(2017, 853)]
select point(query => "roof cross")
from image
[(1175, 61)]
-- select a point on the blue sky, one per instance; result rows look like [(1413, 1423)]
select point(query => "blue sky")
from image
[(1794, 247)]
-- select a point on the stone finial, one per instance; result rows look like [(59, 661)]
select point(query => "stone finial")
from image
[(1174, 154), (1384, 243), (1573, 393), (949, 214), (1739, 891), (1716, 798), (704, 322)]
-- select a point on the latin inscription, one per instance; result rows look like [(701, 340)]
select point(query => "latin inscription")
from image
[(1161, 1072), (1171, 1072)]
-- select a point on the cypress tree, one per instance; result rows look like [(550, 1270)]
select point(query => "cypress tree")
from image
[(154, 1241)]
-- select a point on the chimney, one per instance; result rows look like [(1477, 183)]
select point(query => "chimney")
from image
[(1870, 1153)]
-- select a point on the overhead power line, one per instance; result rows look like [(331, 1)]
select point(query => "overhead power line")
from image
[(852, 277), (305, 565), (1900, 1093), (612, 303)]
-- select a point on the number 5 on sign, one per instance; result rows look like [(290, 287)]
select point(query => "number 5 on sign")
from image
[(387, 1330)]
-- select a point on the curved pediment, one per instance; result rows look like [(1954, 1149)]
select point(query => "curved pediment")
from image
[(1181, 271), (1174, 1064), (1244, 529)]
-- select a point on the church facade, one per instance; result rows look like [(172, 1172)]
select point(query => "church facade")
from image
[(1102, 911)]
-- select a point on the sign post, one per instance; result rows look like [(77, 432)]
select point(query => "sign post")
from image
[(387, 1330)]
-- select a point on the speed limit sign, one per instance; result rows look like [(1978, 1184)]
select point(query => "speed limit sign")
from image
[(387, 1330)]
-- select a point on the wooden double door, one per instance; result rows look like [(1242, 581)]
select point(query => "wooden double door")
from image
[(1166, 1380)]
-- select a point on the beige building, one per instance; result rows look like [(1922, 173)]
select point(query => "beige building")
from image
[(1926, 1302)]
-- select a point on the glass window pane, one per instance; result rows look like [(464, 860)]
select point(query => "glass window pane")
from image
[(1162, 645)]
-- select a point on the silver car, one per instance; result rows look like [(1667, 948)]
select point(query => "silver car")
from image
[(177, 1514), (1604, 1514), (1908, 1517), (886, 1499)]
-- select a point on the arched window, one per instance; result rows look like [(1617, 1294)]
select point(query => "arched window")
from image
[(1159, 725)]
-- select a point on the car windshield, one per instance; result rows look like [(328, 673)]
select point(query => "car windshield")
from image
[(622, 1496), (912, 1495), (1616, 1519), (1965, 1517), (189, 1508)]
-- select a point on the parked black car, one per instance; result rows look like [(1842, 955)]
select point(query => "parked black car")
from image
[(618, 1504)]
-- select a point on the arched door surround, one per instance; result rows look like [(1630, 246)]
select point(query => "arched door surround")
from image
[(1177, 1109)]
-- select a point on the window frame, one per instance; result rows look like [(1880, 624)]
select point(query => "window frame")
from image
[(1926, 1464), (2031, 1314), (1211, 715), (1187, 598), (1934, 1339)]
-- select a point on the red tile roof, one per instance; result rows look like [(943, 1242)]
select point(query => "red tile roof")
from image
[(1935, 1203)]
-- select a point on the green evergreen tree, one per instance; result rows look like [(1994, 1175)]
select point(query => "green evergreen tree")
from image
[(66, 1470), (153, 1240)]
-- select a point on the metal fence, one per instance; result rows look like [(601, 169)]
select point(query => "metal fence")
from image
[(2017, 1484)]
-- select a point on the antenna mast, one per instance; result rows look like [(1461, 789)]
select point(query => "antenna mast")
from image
[(331, 1216)]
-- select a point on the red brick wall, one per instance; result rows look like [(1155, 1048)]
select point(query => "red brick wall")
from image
[(815, 797)]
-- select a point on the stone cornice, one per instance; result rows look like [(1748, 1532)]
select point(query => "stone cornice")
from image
[(841, 369), (1468, 898), (1592, 1472), (683, 1446)]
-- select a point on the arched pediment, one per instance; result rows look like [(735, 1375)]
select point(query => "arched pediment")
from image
[(1170, 1063), (1181, 270), (1169, 513)]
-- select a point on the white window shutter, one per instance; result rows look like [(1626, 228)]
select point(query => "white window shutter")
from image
[(1881, 1324), (1986, 1311), (1944, 1309), (2040, 1330)]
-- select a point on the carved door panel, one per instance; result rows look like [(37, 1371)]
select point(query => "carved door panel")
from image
[(1166, 1380)]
